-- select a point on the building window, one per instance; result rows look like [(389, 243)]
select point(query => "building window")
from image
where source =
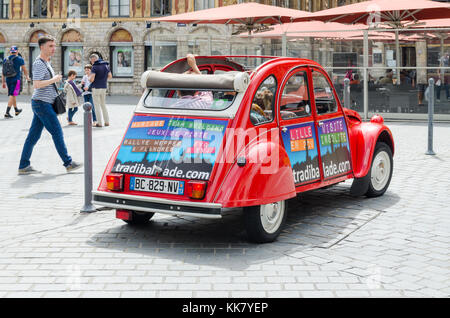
[(38, 8), (204, 4), (161, 55), (119, 8), (161, 7), (4, 6), (122, 61), (77, 8)]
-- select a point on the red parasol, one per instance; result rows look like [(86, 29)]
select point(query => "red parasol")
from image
[(393, 13), (250, 15)]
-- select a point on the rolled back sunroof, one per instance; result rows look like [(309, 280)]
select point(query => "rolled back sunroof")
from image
[(230, 81)]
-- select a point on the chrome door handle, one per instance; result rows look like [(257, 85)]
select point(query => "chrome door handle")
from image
[(284, 129), (320, 123)]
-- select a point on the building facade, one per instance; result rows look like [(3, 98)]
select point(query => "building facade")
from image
[(119, 31)]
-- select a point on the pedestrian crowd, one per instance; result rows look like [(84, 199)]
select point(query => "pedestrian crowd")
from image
[(46, 95)]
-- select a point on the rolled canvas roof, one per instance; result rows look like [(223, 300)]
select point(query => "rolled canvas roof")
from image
[(236, 81)]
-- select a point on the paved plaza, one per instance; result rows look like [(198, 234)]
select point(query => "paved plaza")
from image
[(334, 245)]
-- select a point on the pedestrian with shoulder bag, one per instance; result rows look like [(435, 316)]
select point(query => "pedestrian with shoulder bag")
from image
[(44, 116)]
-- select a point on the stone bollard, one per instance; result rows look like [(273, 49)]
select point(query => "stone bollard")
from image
[(430, 116), (88, 206)]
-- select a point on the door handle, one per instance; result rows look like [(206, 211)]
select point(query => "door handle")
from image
[(284, 129), (320, 123)]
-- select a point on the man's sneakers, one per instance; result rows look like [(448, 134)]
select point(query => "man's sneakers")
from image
[(73, 166), (28, 170)]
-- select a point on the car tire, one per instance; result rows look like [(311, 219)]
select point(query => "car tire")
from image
[(263, 223), (380, 172), (140, 218)]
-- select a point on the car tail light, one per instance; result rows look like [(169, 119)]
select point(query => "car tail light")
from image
[(196, 189), (123, 215), (114, 181)]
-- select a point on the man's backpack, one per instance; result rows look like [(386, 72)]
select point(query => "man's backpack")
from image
[(8, 67)]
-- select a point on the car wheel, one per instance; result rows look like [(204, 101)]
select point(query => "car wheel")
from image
[(380, 170), (140, 218), (263, 223)]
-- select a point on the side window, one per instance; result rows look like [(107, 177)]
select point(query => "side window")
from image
[(263, 102), (295, 100), (323, 94)]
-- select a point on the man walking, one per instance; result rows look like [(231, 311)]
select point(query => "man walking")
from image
[(44, 95), (11, 75), (100, 73)]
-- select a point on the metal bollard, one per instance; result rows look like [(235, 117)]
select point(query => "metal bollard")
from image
[(347, 93), (88, 206), (430, 116)]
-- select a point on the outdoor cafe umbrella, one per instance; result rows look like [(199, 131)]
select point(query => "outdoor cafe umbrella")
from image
[(317, 29), (396, 14), (250, 16)]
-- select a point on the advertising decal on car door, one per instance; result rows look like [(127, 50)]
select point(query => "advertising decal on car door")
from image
[(174, 147), (300, 144), (334, 147)]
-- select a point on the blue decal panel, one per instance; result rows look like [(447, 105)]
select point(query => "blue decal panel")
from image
[(334, 147), (174, 147), (300, 144)]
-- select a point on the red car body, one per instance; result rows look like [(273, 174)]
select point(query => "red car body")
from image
[(343, 146)]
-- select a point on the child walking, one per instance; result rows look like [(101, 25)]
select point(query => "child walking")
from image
[(87, 90), (72, 93)]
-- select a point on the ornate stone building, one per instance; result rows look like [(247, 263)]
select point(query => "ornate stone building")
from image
[(120, 32)]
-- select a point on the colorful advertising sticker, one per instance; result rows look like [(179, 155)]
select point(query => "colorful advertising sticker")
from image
[(300, 144), (334, 147), (175, 147)]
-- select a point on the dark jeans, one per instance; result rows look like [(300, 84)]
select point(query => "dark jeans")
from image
[(439, 88), (71, 112), (88, 99), (44, 116)]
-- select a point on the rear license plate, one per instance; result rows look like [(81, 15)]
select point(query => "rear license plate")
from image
[(157, 185)]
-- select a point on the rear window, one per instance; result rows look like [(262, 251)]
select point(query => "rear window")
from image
[(189, 99)]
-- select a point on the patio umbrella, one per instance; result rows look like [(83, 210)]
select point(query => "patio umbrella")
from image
[(317, 29), (395, 13), (250, 16)]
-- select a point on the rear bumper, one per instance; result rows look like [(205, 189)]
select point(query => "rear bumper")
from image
[(157, 205)]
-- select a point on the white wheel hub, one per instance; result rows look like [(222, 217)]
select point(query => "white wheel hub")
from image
[(271, 216), (381, 169)]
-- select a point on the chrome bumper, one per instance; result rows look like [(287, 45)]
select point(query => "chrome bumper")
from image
[(157, 205)]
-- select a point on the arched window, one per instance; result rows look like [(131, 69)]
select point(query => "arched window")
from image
[(159, 51), (72, 52), (34, 47), (122, 57)]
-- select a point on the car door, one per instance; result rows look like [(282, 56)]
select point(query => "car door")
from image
[(331, 128), (298, 131)]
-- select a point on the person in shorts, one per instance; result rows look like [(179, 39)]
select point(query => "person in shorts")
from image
[(13, 82)]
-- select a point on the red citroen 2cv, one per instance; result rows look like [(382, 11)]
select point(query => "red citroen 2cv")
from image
[(198, 144)]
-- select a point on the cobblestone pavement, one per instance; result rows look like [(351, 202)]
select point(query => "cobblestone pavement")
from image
[(333, 245)]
